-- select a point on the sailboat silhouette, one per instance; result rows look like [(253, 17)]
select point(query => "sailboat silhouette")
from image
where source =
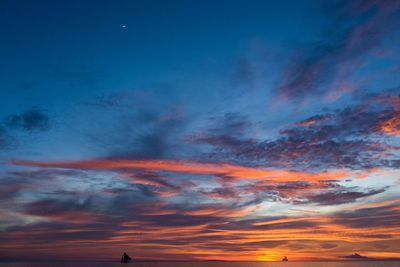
[(125, 258), (285, 259)]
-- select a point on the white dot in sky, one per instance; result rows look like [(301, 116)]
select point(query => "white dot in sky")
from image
[(124, 26)]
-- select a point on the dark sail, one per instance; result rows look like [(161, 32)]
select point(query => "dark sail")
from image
[(285, 259), (125, 258)]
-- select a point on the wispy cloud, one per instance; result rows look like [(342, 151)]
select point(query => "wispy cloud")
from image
[(29, 120), (350, 137), (228, 170), (358, 28)]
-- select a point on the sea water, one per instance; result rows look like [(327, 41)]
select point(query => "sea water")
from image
[(204, 264)]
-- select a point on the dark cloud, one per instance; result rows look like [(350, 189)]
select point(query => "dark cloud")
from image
[(321, 193), (144, 135), (130, 217), (29, 120), (16, 182), (264, 190), (339, 142), (337, 139), (156, 142), (358, 28), (221, 192), (336, 197), (41, 174), (11, 188), (270, 223), (50, 232), (344, 138), (152, 184), (294, 186), (387, 216), (232, 123), (228, 134), (54, 207), (127, 206), (226, 130)]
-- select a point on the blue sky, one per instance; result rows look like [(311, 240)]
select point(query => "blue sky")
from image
[(216, 118)]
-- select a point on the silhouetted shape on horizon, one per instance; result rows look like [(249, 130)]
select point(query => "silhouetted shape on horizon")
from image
[(125, 258), (285, 258), (357, 256)]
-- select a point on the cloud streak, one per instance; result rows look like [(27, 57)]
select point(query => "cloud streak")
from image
[(359, 28), (228, 170)]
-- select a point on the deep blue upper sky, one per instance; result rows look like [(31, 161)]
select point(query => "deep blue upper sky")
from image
[(220, 115), (162, 43)]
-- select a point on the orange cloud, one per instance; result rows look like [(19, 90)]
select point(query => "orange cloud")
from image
[(230, 170), (307, 123), (392, 126), (217, 240)]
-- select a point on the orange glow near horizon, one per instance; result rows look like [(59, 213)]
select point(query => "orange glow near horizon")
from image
[(212, 230), (143, 239)]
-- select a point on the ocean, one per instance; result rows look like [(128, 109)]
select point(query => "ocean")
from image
[(204, 264)]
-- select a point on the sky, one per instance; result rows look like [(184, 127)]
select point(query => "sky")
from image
[(200, 130)]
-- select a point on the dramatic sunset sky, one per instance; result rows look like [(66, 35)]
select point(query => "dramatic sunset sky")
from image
[(195, 130)]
